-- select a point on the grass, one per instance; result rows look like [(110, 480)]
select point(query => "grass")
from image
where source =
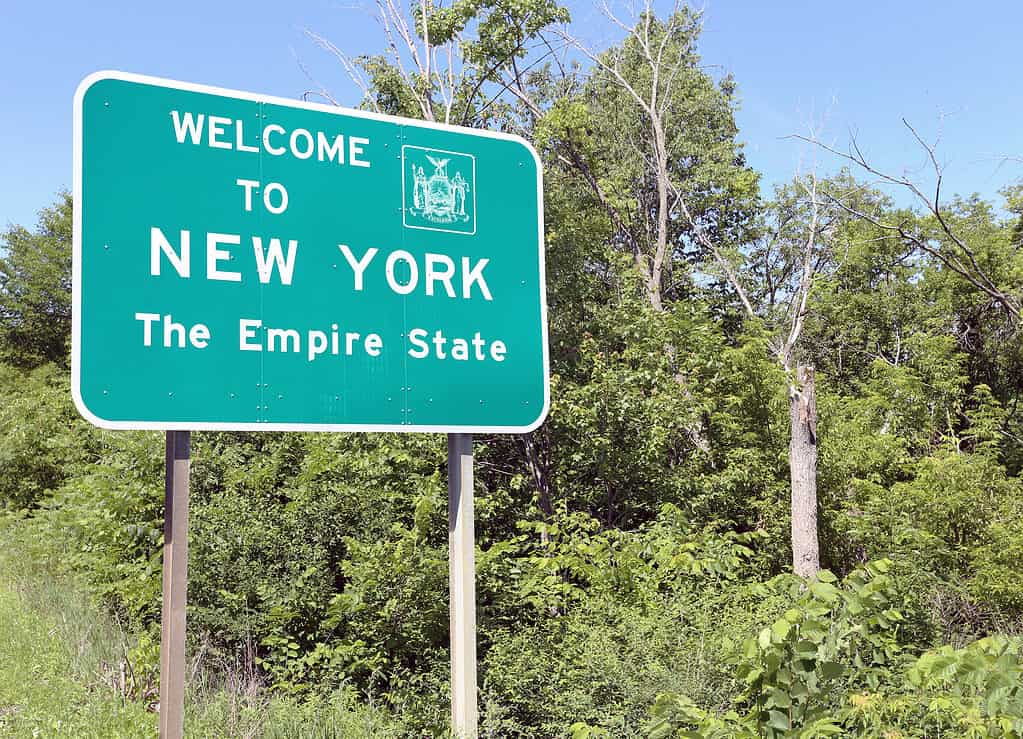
[(64, 673), (57, 656)]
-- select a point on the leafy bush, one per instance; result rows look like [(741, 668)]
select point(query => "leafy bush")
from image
[(834, 639), (43, 440)]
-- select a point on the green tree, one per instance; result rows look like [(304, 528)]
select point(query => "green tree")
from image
[(35, 289), (639, 149)]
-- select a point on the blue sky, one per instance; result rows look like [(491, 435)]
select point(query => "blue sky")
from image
[(950, 68)]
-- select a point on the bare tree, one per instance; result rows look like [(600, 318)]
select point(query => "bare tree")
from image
[(664, 61), (454, 71), (654, 67), (936, 236), (788, 304), (652, 250), (427, 70)]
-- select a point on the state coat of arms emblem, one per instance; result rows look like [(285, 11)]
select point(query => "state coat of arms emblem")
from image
[(439, 190)]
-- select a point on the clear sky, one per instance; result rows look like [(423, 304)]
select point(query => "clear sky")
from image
[(948, 67)]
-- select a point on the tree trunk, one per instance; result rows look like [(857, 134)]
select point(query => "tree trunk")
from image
[(806, 559), (537, 450), (538, 455)]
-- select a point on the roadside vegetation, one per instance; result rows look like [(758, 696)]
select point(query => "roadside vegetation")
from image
[(68, 668)]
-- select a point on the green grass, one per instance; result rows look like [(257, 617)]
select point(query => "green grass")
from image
[(57, 662), (63, 673)]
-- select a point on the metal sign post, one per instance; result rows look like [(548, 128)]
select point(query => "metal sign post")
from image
[(462, 583), (175, 586)]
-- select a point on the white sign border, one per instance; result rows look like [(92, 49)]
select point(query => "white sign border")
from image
[(76, 327)]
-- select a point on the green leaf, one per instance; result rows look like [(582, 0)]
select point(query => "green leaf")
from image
[(780, 698), (805, 649), (780, 629), (831, 670), (778, 720), (825, 591)]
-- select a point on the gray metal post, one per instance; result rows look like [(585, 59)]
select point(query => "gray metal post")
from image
[(175, 586), (462, 575)]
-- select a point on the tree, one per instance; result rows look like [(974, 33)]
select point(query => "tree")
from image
[(694, 191), (35, 289), (658, 148), (796, 243), (450, 63), (936, 233), (970, 248), (653, 137)]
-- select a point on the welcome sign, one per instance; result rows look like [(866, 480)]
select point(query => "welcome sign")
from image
[(245, 262)]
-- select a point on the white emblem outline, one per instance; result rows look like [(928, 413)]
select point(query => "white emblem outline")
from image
[(404, 195)]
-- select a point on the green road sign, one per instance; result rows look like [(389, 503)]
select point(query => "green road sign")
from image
[(246, 262)]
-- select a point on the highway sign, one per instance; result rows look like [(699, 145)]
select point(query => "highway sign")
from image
[(253, 263)]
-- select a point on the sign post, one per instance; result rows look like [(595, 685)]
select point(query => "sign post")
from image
[(249, 263), (175, 585), (462, 584)]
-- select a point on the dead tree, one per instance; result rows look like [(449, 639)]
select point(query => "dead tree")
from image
[(939, 238), (652, 251), (795, 306)]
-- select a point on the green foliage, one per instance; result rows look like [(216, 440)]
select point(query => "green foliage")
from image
[(976, 691), (572, 559), (834, 632), (835, 665), (653, 622), (35, 289), (835, 638), (68, 669), (995, 564), (43, 440), (491, 36)]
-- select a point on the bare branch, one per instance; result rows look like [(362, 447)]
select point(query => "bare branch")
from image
[(959, 256), (798, 307), (729, 270), (353, 72), (919, 242)]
